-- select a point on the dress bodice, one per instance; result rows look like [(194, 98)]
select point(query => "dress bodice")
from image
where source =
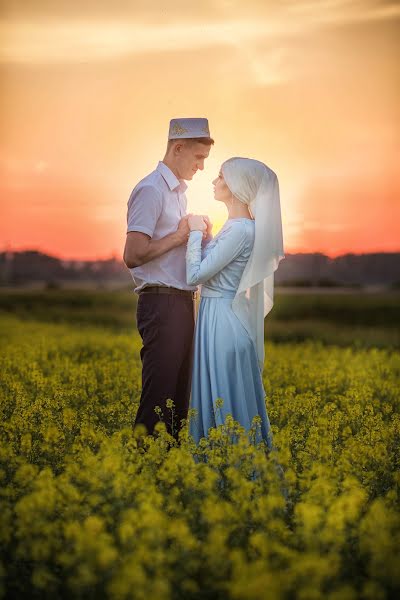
[(220, 264)]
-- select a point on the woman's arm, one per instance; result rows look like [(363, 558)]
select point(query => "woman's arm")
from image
[(206, 240), (230, 244)]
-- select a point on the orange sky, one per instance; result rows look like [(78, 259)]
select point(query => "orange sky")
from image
[(310, 88)]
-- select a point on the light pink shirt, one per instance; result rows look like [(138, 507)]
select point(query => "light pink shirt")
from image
[(155, 207)]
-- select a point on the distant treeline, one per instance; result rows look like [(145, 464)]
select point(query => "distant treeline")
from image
[(358, 270)]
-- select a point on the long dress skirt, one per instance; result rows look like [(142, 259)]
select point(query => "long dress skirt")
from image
[(225, 366)]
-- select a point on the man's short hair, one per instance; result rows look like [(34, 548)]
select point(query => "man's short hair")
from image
[(190, 141)]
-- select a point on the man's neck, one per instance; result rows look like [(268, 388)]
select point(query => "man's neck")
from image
[(170, 166)]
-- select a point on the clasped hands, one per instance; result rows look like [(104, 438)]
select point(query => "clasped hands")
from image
[(200, 223), (195, 223)]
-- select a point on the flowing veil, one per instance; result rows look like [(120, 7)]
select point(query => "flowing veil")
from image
[(256, 185)]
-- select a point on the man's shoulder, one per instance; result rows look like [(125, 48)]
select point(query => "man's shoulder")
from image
[(152, 183), (152, 180)]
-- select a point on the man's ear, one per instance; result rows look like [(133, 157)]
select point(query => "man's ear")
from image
[(178, 148)]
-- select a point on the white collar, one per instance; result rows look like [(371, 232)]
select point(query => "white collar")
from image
[(172, 181)]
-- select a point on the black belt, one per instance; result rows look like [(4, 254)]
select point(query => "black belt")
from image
[(162, 289)]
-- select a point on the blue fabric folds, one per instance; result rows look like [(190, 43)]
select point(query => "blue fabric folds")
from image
[(225, 359)]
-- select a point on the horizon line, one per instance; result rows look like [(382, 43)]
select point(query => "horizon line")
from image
[(118, 258)]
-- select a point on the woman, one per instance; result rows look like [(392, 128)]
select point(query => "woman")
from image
[(236, 270)]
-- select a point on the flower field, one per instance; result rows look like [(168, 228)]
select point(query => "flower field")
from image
[(91, 511)]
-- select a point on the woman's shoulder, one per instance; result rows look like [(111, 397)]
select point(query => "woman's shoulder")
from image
[(237, 226), (250, 232), (238, 231), (242, 226), (232, 227)]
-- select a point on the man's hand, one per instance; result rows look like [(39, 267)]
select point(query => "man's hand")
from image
[(183, 229), (141, 249)]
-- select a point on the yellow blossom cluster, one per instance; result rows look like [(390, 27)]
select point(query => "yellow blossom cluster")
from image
[(92, 509)]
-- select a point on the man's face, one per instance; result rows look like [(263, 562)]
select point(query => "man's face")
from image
[(191, 158)]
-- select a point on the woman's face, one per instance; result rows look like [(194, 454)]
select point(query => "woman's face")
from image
[(221, 191)]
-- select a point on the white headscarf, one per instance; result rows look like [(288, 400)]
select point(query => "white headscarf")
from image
[(256, 185)]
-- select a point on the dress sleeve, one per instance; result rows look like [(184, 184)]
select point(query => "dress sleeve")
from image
[(144, 209), (206, 241), (229, 245)]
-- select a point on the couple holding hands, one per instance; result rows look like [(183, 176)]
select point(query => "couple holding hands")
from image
[(219, 354)]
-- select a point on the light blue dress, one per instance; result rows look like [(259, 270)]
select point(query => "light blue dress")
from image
[(225, 357)]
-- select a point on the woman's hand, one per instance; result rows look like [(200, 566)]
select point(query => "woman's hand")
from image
[(209, 226), (197, 223)]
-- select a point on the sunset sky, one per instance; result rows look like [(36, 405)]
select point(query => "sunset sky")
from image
[(310, 88)]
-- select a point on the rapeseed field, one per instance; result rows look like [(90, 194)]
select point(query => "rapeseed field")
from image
[(90, 510)]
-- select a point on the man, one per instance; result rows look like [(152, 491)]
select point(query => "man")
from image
[(155, 253)]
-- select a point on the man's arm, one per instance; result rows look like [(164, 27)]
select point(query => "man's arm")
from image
[(141, 248)]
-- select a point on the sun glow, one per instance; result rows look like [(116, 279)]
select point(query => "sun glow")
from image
[(88, 95)]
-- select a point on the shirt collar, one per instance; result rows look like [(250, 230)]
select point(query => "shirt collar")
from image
[(172, 181)]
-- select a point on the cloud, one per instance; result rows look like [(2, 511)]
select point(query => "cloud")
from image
[(80, 42), (342, 12), (178, 11), (56, 40)]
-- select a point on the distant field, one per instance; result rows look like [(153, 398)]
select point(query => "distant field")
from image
[(338, 318)]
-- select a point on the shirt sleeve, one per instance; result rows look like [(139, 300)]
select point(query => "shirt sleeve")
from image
[(144, 209), (229, 245)]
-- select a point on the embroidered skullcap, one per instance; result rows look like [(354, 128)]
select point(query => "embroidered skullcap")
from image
[(188, 128)]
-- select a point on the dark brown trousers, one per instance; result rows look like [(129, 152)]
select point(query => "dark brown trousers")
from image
[(166, 325)]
